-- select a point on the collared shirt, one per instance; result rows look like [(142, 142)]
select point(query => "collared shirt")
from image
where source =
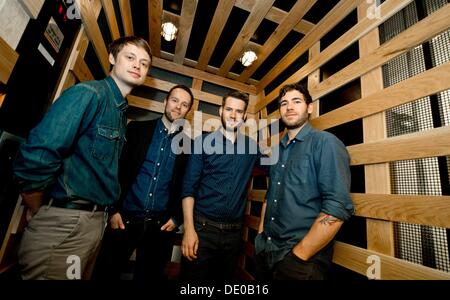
[(311, 176), (149, 194), (217, 177), (75, 148)]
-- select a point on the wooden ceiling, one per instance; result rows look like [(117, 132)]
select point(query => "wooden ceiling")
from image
[(213, 34)]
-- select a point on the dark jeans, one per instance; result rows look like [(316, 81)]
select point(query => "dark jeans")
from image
[(290, 267), (153, 250), (217, 252)]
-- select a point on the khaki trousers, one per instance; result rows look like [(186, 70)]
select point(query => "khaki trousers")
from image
[(61, 243)]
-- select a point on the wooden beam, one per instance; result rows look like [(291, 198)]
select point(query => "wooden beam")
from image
[(8, 59), (255, 18), (411, 37), (187, 71), (184, 31), (427, 83), (218, 22), (93, 32), (145, 103), (387, 9), (355, 259), (276, 15), (297, 12), (127, 20), (111, 17), (339, 12), (155, 11), (424, 210), (81, 70), (251, 221), (408, 146), (32, 7)]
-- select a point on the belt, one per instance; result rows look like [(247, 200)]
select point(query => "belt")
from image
[(219, 225), (158, 218), (76, 204)]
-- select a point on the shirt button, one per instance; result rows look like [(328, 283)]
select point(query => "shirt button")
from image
[(269, 238), (158, 164), (275, 200), (162, 149), (272, 218), (282, 166), (278, 183), (150, 194), (154, 178)]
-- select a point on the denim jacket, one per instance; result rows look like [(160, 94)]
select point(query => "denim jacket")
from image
[(74, 151)]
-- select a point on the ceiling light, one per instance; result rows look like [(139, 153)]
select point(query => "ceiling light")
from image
[(248, 58), (169, 31)]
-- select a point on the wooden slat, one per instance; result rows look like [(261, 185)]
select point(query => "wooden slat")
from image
[(408, 146), (248, 248), (155, 10), (127, 20), (425, 84), (339, 12), (256, 16), (297, 12), (218, 22), (144, 103), (257, 195), (8, 59), (411, 37), (187, 71), (111, 17), (276, 15), (32, 7), (424, 210), (387, 9), (93, 32), (355, 258), (251, 221), (81, 70), (184, 31)]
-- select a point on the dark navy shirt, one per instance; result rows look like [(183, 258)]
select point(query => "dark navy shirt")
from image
[(75, 149), (150, 192), (217, 177), (312, 176)]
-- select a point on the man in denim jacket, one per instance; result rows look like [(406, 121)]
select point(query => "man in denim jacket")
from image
[(67, 171)]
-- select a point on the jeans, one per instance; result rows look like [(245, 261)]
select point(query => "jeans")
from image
[(217, 252), (291, 267), (153, 250)]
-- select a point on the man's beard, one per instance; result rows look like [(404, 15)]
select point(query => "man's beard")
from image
[(297, 124), (168, 115), (232, 129)]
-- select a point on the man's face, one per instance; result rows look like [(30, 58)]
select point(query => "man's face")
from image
[(131, 65), (293, 109), (232, 114), (177, 104)]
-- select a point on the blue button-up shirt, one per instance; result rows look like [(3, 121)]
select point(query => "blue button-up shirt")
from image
[(311, 176), (149, 193), (217, 177), (74, 151)]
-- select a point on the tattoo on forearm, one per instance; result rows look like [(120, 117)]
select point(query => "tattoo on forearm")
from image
[(329, 220)]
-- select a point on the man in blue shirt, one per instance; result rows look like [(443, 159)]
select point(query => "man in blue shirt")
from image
[(308, 197), (214, 195), (150, 205), (67, 170)]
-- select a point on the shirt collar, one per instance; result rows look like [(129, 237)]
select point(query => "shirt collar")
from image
[(119, 100), (300, 135)]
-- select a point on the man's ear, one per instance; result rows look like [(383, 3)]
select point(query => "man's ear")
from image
[(245, 117), (112, 61), (220, 111), (310, 108)]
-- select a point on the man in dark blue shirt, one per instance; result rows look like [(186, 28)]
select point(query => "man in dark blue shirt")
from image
[(70, 164), (150, 208), (308, 197), (214, 195)]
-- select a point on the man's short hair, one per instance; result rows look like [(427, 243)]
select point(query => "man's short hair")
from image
[(236, 94), (295, 87), (185, 88), (118, 44)]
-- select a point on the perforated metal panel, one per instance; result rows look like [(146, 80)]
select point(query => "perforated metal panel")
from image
[(429, 176)]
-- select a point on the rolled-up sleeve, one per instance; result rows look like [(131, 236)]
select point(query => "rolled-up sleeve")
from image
[(334, 179)]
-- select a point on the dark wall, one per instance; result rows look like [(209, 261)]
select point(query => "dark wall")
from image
[(33, 81)]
